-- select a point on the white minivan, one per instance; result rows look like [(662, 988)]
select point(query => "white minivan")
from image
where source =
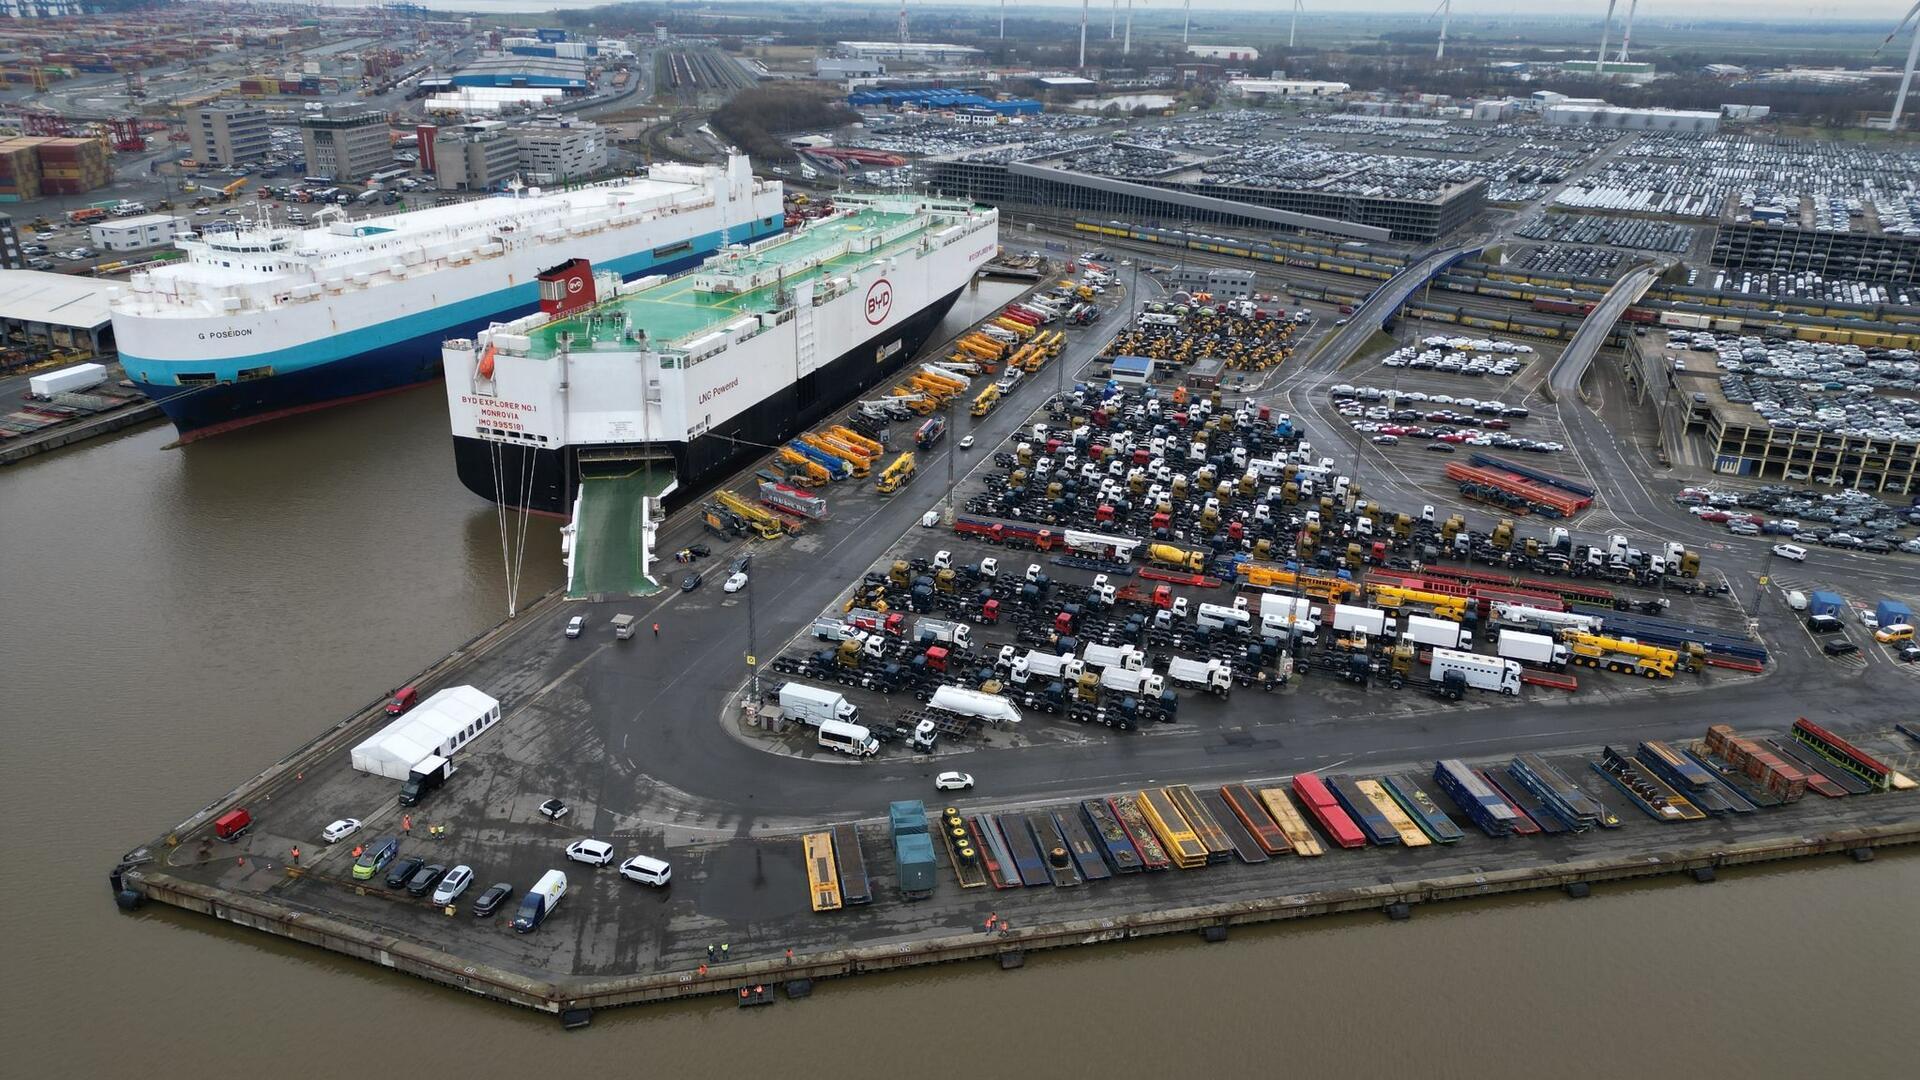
[(1791, 551), (646, 871)]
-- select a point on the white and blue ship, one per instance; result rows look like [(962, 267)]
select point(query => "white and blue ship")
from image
[(263, 322)]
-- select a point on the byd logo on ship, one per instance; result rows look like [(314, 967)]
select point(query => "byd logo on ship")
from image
[(879, 302), (575, 284)]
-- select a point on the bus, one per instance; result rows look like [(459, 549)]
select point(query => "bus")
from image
[(1183, 847), (823, 877), (1324, 810)]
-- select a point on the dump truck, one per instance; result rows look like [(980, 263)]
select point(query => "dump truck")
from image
[(912, 848), (897, 475), (943, 631), (1106, 656), (1213, 676)]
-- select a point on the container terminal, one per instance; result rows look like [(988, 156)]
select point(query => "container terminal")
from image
[(1086, 654)]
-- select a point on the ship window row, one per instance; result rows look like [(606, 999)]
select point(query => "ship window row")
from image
[(516, 436)]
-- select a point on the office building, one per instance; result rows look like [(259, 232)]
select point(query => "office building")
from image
[(229, 134), (346, 144), (555, 150), (136, 233), (480, 156)]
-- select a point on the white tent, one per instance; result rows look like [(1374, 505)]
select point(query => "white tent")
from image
[(439, 725)]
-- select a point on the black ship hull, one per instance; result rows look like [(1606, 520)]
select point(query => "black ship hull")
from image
[(485, 467)]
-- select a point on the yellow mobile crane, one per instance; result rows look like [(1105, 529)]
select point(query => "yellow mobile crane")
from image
[(1393, 596), (984, 403), (1624, 655), (763, 523), (897, 475)]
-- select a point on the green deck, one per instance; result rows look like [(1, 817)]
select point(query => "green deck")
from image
[(677, 309), (608, 544)]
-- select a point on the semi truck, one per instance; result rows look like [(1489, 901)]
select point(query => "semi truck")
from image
[(1126, 681), (427, 773), (912, 848), (1026, 667), (1435, 633), (1213, 676), (1105, 656), (540, 901), (1530, 648), (815, 705), (1490, 673), (955, 699)]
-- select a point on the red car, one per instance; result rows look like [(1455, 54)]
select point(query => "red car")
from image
[(403, 699), (1497, 425)]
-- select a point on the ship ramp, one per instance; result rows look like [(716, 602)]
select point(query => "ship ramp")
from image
[(615, 517)]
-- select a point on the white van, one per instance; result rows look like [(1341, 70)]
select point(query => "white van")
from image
[(647, 871), (848, 738)]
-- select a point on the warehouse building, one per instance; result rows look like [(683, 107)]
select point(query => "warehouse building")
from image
[(847, 67), (911, 52), (1612, 116), (229, 134), (40, 311), (1222, 284), (1273, 89), (569, 75), (1407, 217)]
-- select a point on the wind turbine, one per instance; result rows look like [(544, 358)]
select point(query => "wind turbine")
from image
[(1126, 43), (1606, 30), (1113, 21), (1445, 11), (1913, 56), (1627, 38), (1293, 24), (1083, 33), (1003, 20), (1187, 26)]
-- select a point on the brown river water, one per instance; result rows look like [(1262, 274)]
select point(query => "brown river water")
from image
[(173, 620)]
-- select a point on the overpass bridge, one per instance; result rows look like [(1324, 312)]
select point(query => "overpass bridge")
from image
[(1379, 308), (1572, 365)]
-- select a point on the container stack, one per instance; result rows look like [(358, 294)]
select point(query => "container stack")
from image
[(20, 169), (74, 166)]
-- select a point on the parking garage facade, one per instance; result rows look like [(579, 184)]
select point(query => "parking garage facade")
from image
[(1746, 445), (1025, 185), (1854, 256)]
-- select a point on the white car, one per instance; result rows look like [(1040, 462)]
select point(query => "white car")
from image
[(591, 852), (554, 809), (735, 582), (1790, 551), (1867, 618), (340, 830), (929, 519), (575, 625), (953, 781), (966, 442), (647, 871), (453, 885)]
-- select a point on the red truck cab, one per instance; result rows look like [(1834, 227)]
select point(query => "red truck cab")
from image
[(403, 699)]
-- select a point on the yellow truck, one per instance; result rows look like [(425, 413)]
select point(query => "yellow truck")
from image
[(897, 475), (983, 404), (1624, 655), (764, 524), (1169, 555)]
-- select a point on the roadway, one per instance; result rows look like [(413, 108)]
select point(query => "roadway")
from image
[(1571, 367)]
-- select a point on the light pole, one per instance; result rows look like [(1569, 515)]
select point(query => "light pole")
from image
[(753, 660)]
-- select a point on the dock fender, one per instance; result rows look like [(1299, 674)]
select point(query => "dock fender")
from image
[(129, 899)]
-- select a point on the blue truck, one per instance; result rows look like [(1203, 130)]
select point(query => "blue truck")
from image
[(1892, 613), (912, 848)]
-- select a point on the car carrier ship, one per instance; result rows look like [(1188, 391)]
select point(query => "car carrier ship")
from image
[(670, 383), (260, 322)]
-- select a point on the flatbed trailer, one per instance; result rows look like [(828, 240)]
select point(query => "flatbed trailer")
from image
[(1259, 824), (1692, 779), (854, 886), (1656, 799), (1145, 841), (1244, 845), (1823, 776), (1364, 814), (1209, 832), (1286, 817), (1850, 758), (1054, 852), (1325, 810), (1085, 852), (993, 848), (1115, 846), (1422, 809), (1736, 781), (1027, 859), (1526, 802), (1383, 804), (823, 878), (964, 852), (1475, 797), (1182, 845), (1560, 795)]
